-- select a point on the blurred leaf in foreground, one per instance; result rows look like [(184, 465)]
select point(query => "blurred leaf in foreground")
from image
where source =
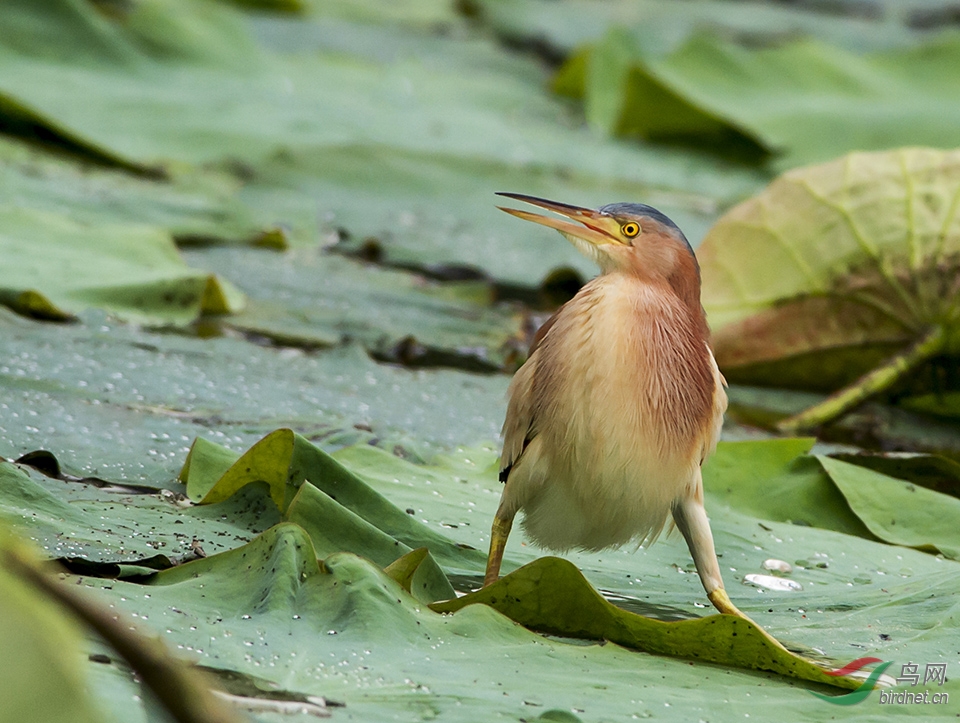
[(39, 653), (838, 270), (46, 650)]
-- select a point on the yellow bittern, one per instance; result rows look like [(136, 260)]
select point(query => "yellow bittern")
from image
[(620, 401)]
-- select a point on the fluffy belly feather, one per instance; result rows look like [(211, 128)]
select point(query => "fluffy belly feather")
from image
[(620, 428)]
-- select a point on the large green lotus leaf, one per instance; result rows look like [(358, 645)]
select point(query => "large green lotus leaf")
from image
[(804, 101), (355, 525), (931, 471), (285, 460), (660, 26), (827, 614), (334, 528), (453, 494), (201, 32), (265, 102), (123, 403), (865, 251), (40, 654), (55, 267), (776, 480), (117, 525), (784, 483), (899, 512), (364, 137), (438, 213), (346, 631), (435, 211), (191, 205), (552, 596), (313, 298)]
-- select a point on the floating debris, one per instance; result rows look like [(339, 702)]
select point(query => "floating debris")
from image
[(769, 582), (774, 565)]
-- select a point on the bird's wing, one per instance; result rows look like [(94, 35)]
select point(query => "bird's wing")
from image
[(542, 332), (519, 425), (712, 432)]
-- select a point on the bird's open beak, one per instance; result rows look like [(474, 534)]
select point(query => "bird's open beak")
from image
[(592, 227)]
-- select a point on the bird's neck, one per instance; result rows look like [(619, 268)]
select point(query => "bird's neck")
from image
[(680, 281), (685, 285)]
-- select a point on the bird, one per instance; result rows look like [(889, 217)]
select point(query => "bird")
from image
[(620, 400)]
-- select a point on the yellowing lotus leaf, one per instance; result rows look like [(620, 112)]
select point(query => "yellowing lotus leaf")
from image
[(838, 270)]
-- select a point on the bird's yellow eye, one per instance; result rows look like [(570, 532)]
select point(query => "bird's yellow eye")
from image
[(630, 229)]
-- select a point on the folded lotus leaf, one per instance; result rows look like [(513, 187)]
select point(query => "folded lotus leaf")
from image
[(550, 595), (53, 267), (838, 270)]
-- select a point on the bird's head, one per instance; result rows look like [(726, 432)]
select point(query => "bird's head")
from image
[(627, 237)]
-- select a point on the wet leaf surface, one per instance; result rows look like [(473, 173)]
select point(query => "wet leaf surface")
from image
[(63, 267), (307, 298), (365, 143), (125, 404), (550, 595), (273, 595), (897, 511)]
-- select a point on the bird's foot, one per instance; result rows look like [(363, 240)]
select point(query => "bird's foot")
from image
[(721, 601)]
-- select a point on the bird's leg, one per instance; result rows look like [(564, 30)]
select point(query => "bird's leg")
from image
[(502, 522), (691, 519)]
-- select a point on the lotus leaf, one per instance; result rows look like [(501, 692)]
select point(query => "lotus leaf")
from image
[(800, 101), (899, 512), (315, 299), (552, 596), (41, 652), (660, 27), (389, 134), (932, 471), (52, 267), (263, 602), (838, 270)]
